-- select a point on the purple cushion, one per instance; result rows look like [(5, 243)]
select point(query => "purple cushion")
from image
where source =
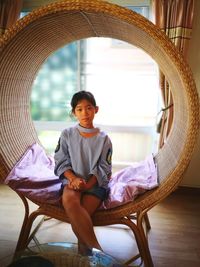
[(34, 177)]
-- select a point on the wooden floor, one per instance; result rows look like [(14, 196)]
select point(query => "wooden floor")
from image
[(174, 238)]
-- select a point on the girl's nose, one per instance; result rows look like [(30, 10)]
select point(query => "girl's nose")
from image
[(85, 112)]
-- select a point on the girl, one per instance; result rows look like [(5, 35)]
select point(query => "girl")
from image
[(83, 162)]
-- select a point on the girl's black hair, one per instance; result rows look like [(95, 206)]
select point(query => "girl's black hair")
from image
[(80, 96)]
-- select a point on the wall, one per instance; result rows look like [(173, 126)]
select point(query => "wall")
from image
[(192, 175)]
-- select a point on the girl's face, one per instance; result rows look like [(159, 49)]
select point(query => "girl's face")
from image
[(85, 112)]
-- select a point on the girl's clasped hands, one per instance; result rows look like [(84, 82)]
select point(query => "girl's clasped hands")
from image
[(78, 184)]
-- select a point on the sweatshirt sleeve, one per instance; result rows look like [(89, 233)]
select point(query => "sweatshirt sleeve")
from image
[(61, 156), (103, 169)]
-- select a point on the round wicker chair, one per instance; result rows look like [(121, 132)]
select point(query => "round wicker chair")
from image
[(32, 39)]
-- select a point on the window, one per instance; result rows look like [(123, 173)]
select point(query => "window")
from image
[(124, 80), (54, 85)]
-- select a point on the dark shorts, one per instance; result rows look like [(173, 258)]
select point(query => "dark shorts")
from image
[(97, 191)]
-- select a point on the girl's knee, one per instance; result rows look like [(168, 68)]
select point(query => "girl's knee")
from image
[(91, 203), (70, 200)]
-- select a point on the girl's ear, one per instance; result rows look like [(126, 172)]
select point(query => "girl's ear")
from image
[(96, 109), (72, 114)]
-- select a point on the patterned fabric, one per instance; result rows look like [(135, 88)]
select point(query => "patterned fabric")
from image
[(175, 19)]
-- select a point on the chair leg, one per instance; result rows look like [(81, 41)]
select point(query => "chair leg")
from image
[(147, 222), (25, 232), (32, 236), (26, 215), (141, 241), (24, 236), (147, 255)]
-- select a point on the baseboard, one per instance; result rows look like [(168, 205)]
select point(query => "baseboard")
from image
[(187, 190)]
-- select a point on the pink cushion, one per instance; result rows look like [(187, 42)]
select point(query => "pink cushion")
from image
[(34, 177)]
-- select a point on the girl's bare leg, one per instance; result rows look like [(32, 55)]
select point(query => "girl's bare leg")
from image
[(79, 217), (90, 203)]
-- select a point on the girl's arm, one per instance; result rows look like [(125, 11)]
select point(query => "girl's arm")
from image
[(63, 163), (69, 174), (61, 156), (90, 183), (103, 170)]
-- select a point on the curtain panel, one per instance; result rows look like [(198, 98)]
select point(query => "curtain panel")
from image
[(175, 18), (9, 13)]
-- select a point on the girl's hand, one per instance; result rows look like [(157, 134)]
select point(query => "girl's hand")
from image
[(85, 186), (80, 184), (89, 184), (77, 184)]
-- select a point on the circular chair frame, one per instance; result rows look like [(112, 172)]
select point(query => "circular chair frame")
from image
[(26, 45)]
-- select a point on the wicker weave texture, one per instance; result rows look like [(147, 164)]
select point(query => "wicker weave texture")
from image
[(27, 44)]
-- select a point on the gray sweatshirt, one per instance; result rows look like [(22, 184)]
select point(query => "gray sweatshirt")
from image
[(85, 156)]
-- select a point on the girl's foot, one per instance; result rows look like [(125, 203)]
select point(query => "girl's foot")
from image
[(84, 250)]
